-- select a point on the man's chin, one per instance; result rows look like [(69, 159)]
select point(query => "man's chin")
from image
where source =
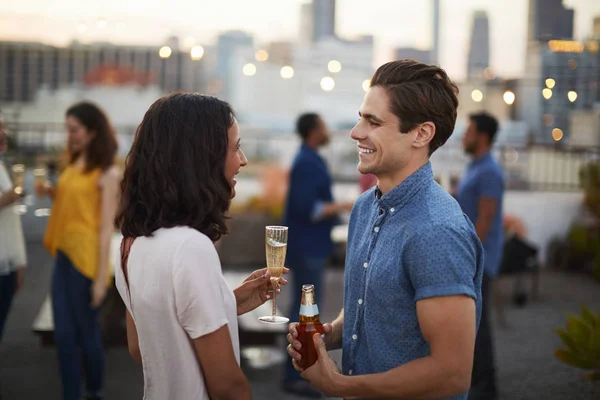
[(364, 169)]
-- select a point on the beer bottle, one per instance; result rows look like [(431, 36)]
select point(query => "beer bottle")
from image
[(309, 325)]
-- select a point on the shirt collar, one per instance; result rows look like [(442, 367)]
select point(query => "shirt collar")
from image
[(482, 159), (401, 194)]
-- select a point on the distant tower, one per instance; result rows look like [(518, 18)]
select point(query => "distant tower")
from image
[(435, 51), (479, 51), (306, 23), (549, 19), (323, 19)]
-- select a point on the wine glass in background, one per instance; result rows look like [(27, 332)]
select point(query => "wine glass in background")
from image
[(40, 187), (18, 177), (276, 248)]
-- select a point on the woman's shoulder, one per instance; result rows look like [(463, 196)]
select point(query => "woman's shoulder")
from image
[(183, 237)]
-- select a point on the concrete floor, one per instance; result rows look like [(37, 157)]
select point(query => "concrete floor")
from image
[(527, 368)]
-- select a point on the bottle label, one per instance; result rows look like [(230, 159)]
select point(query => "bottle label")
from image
[(309, 311)]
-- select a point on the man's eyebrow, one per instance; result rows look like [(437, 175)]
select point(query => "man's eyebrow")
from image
[(372, 117)]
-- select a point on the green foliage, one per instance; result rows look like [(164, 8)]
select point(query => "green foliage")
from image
[(589, 180), (581, 340), (584, 240)]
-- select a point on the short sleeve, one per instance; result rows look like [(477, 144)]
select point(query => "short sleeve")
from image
[(492, 184), (443, 261), (199, 301)]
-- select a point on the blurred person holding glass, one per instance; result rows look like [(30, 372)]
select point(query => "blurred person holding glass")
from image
[(13, 254), (310, 214), (79, 235), (182, 316), (414, 264)]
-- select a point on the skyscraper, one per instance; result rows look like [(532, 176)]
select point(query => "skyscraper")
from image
[(306, 24), (479, 50), (323, 21), (228, 43), (550, 19), (435, 51)]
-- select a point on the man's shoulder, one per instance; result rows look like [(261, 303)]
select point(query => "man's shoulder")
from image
[(491, 168), (437, 211)]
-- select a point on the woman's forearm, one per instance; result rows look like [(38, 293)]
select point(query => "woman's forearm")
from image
[(103, 255)]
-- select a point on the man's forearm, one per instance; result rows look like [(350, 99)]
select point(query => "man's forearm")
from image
[(334, 339), (482, 228), (423, 378)]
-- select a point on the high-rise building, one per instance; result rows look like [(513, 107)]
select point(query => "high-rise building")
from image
[(424, 56), (228, 43), (435, 50), (27, 66), (550, 19), (479, 50), (596, 27), (323, 19), (306, 24)]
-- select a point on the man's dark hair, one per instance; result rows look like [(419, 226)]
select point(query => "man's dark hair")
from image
[(175, 171), (306, 123), (485, 124), (419, 93), (103, 147)]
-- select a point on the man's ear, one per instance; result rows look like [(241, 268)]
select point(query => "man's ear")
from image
[(424, 134)]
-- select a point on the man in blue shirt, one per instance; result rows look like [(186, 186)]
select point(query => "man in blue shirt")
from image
[(414, 264), (480, 196), (310, 215)]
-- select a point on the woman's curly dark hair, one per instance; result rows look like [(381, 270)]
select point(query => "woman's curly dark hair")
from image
[(103, 147), (175, 171)]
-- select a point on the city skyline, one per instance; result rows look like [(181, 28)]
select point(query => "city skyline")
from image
[(393, 23)]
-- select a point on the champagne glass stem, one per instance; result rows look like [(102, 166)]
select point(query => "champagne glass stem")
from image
[(274, 303)]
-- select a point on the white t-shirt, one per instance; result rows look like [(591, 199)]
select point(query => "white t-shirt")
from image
[(177, 292), (12, 248)]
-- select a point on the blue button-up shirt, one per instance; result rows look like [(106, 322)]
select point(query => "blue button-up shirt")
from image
[(484, 178), (407, 245)]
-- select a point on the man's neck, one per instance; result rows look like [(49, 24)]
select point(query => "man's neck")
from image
[(480, 152), (310, 144), (390, 181)]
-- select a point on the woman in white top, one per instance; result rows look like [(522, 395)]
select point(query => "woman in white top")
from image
[(181, 314), (12, 245)]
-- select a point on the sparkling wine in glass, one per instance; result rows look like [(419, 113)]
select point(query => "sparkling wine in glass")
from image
[(39, 184), (276, 247), (18, 176)]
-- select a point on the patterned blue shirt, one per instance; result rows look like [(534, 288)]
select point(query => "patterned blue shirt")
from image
[(409, 244)]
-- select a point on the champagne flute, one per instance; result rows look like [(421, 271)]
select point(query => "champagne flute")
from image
[(40, 182), (276, 247), (18, 176)]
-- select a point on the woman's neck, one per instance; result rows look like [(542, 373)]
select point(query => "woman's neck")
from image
[(81, 160)]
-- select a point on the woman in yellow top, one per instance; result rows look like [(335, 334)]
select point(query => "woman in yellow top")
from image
[(78, 236)]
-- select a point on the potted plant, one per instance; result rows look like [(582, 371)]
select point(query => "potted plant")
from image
[(581, 341)]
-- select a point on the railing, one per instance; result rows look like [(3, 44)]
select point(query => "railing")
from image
[(526, 167)]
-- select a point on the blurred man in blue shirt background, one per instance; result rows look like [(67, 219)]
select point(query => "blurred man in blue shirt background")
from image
[(310, 214), (480, 195)]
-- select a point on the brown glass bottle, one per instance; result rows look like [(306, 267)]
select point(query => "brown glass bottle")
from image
[(309, 325)]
